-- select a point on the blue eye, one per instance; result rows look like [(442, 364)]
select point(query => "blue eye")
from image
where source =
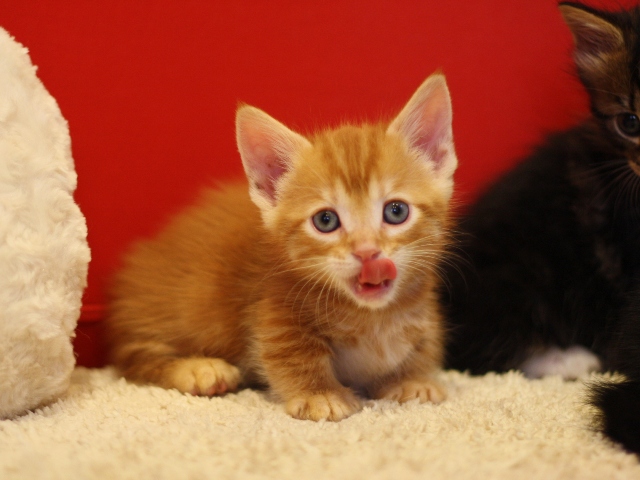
[(326, 221), (395, 212)]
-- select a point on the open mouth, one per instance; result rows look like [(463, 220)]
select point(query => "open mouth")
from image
[(372, 291), (375, 279)]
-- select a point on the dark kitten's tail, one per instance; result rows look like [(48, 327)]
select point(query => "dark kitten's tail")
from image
[(619, 406)]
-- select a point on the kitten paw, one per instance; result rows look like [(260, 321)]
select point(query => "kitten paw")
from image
[(332, 405), (407, 390), (203, 376), (570, 364)]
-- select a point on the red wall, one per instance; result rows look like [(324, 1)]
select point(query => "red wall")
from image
[(150, 87)]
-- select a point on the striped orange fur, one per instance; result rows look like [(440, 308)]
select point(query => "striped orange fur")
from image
[(244, 289)]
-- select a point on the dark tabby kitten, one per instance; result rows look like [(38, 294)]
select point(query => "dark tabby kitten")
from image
[(551, 280)]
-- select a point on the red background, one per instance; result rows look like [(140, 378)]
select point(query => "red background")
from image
[(150, 88)]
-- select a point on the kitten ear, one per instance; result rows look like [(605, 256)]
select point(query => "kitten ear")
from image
[(595, 38), (267, 149), (425, 123)]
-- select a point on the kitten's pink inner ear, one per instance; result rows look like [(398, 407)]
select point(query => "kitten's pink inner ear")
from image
[(266, 172), (435, 134), (267, 149), (425, 122)]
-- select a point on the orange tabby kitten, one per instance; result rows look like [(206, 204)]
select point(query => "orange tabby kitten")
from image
[(319, 281)]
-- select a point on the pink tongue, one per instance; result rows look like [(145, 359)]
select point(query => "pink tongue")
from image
[(377, 271)]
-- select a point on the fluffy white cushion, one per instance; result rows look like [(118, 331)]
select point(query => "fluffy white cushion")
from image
[(43, 239)]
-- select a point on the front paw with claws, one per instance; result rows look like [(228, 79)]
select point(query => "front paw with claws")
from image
[(407, 390), (332, 405)]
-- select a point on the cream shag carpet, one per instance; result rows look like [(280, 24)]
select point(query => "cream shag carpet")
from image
[(496, 426)]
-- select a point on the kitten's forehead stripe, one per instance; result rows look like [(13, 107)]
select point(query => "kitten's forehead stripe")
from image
[(615, 77), (631, 38), (635, 64), (351, 155)]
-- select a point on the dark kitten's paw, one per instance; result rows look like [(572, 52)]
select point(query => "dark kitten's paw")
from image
[(570, 364)]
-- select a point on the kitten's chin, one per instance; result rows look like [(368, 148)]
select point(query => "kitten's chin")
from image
[(372, 295)]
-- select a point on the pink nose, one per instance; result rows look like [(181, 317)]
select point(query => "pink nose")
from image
[(366, 254)]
